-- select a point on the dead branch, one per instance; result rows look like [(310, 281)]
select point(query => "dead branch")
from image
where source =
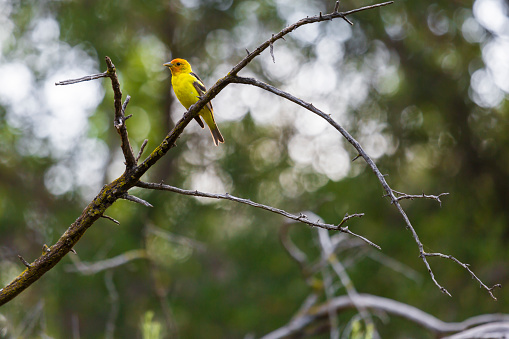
[(96, 267), (389, 191), (301, 217), (392, 307)]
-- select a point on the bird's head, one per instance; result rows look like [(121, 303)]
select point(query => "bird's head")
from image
[(178, 66)]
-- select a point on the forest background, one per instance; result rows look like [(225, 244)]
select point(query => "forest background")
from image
[(421, 85)]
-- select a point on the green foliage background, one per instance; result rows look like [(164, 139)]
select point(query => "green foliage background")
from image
[(420, 117)]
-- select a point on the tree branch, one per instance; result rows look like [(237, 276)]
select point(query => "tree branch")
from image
[(329, 255), (405, 311), (96, 267), (136, 200), (85, 78), (301, 217), (402, 196), (389, 191), (119, 121)]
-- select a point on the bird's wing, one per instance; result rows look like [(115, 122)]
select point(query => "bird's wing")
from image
[(200, 87)]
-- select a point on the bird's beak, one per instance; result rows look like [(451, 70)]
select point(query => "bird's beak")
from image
[(168, 64)]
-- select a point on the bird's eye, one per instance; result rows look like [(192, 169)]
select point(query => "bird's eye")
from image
[(178, 63)]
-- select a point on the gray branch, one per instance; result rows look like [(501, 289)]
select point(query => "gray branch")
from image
[(343, 303), (389, 191), (301, 217)]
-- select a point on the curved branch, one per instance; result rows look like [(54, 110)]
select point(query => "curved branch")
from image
[(389, 191), (393, 307)]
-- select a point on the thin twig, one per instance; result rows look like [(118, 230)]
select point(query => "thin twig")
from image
[(347, 20), (301, 218), (308, 20), (107, 264), (177, 239), (124, 105), (85, 78), (336, 7), (350, 216), (467, 267), (356, 157), (142, 148), (293, 251), (110, 218), (23, 261), (136, 199), (402, 196)]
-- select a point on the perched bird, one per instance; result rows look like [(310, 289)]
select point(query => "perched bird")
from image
[(188, 88)]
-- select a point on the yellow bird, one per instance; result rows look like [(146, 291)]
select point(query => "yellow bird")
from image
[(188, 88)]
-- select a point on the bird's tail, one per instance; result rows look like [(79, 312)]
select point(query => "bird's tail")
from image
[(216, 135), (208, 116)]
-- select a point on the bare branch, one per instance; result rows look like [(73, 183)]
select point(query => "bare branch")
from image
[(466, 266), (124, 105), (110, 218), (328, 254), (492, 330), (85, 78), (402, 196), (177, 239), (308, 20), (119, 120), (390, 306), (96, 267), (389, 191), (293, 251), (350, 216), (142, 148), (136, 200), (23, 261), (336, 7), (301, 218)]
